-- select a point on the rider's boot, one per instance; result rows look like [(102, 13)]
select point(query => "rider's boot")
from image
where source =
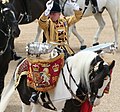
[(34, 97), (15, 56)]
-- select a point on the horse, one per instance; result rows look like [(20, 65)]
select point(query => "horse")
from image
[(8, 31), (112, 7), (83, 77)]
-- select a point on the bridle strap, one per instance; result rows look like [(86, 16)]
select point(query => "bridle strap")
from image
[(73, 78), (4, 32), (47, 104), (70, 90), (71, 74), (8, 35)]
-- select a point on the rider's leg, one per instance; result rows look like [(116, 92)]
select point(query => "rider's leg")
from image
[(28, 10)]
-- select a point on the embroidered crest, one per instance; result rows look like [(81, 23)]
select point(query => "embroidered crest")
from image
[(43, 74)]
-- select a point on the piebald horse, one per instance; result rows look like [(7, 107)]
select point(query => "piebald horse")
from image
[(83, 77)]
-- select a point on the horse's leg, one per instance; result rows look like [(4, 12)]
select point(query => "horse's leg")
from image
[(115, 21), (74, 31), (2, 77), (6, 95), (36, 108), (101, 24), (24, 93), (38, 34), (115, 27), (25, 108)]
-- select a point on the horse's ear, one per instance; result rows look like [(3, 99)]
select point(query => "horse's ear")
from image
[(112, 65), (101, 65), (96, 60)]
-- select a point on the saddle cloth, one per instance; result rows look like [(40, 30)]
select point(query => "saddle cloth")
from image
[(42, 75)]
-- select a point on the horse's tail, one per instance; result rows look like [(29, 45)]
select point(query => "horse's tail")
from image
[(7, 92)]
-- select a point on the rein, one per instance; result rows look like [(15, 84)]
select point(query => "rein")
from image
[(8, 35), (68, 87), (4, 33)]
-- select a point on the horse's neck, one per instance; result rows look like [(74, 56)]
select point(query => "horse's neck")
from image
[(79, 64)]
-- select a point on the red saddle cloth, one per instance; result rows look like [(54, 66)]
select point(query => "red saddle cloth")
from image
[(43, 74)]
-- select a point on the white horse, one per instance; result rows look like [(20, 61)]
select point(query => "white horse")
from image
[(85, 75), (113, 8)]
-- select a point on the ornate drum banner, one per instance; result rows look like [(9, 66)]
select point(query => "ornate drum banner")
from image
[(43, 74)]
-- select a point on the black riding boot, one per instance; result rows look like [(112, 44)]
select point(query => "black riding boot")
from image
[(15, 56), (34, 97)]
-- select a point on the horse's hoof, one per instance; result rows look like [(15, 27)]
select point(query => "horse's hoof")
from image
[(83, 47), (97, 43)]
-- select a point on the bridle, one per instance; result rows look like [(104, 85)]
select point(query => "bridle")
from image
[(95, 73), (9, 30), (69, 88), (83, 93)]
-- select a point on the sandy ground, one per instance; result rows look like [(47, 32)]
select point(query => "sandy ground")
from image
[(86, 27)]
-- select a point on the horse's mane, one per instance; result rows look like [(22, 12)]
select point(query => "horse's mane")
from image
[(80, 65)]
